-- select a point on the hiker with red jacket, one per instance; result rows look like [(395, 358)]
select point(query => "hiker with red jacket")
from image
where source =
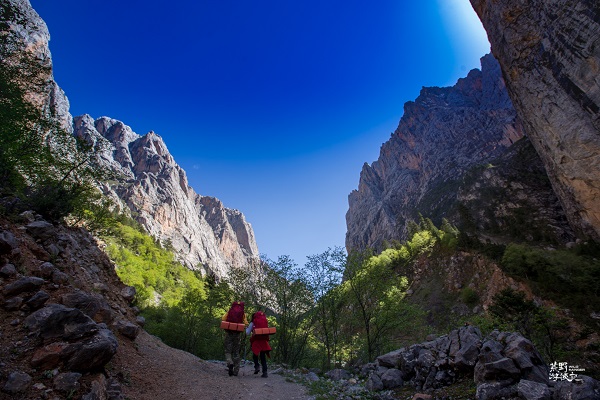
[(260, 343), (232, 338)]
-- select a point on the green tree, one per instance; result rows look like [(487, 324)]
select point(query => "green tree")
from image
[(375, 293), (287, 295), (323, 273), (40, 161), (543, 326)]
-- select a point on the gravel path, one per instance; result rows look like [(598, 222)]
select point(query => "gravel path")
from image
[(159, 372)]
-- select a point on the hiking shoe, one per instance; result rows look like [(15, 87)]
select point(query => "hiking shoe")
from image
[(264, 375), (256, 370), (230, 367)]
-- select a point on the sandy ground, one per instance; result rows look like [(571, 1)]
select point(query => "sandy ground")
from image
[(159, 372)]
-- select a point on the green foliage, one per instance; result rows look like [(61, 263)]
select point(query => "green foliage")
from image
[(374, 304), (181, 308), (193, 323), (23, 152), (547, 330), (469, 296), (286, 293), (40, 161), (142, 263), (567, 277), (323, 274)]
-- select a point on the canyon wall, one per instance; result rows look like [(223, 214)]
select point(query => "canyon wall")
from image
[(458, 153), (549, 52)]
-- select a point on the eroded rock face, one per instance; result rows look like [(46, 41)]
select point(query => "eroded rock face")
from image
[(442, 134), (152, 185), (27, 32), (549, 52), (205, 235)]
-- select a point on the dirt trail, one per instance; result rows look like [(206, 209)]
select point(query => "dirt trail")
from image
[(159, 372)]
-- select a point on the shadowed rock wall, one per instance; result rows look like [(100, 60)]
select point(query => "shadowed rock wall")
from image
[(549, 52)]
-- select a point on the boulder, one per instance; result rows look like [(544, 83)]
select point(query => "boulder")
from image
[(92, 305), (127, 329), (531, 390), (391, 359), (50, 356), (496, 391), (113, 389), (338, 374), (527, 358), (13, 304), (470, 342), (41, 230), (128, 293), (8, 271), (392, 378), (502, 369), (93, 353), (98, 389), (58, 321), (67, 382), (37, 300), (22, 285), (59, 277), (8, 242), (311, 377), (374, 383), (46, 269), (585, 388), (18, 382)]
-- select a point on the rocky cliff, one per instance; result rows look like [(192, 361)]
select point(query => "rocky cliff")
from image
[(549, 52), (440, 160), (24, 31), (205, 235)]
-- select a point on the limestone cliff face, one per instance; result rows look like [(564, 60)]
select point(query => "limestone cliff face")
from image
[(23, 31), (205, 235), (443, 134), (549, 52)]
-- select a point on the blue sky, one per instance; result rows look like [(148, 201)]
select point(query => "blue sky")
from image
[(270, 106)]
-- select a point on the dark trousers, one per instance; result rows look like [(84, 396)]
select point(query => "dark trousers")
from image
[(263, 361)]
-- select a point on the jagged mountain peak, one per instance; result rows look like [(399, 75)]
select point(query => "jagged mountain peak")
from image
[(205, 234)]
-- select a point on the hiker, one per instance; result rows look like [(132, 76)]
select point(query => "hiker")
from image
[(232, 338), (260, 343)]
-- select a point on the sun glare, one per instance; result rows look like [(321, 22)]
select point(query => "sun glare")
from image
[(465, 30)]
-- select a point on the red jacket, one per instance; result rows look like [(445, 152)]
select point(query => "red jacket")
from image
[(259, 342)]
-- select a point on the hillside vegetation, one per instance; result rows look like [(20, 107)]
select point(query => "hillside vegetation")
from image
[(341, 310)]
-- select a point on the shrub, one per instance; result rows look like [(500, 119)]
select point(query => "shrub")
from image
[(469, 296)]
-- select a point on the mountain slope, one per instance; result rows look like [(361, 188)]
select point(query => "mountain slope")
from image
[(444, 134), (205, 235)]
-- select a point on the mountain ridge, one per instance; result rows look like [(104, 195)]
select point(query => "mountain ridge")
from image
[(443, 134), (204, 234)]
